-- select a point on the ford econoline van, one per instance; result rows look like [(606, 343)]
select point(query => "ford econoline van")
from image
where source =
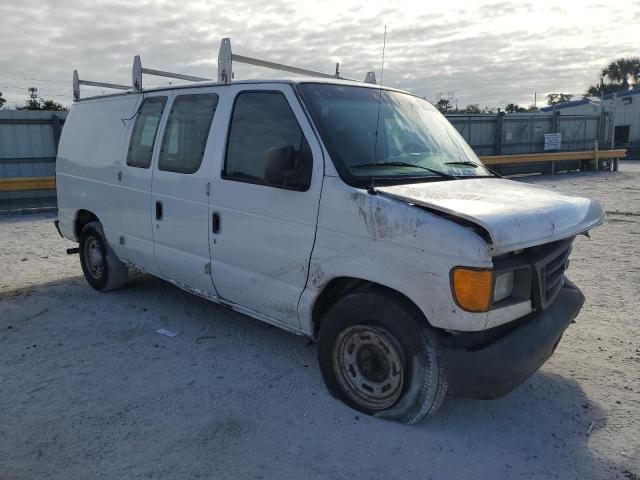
[(347, 212)]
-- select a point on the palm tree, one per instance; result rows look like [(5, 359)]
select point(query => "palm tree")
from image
[(512, 108), (623, 71)]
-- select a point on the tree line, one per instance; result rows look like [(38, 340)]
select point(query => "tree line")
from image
[(42, 104), (619, 76), (37, 104)]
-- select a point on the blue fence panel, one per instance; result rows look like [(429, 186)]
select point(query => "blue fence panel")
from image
[(28, 145)]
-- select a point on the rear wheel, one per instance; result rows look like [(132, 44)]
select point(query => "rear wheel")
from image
[(101, 268), (377, 355)]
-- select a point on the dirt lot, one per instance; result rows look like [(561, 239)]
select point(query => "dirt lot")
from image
[(89, 390)]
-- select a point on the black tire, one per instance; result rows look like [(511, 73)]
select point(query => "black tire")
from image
[(101, 268), (378, 355)]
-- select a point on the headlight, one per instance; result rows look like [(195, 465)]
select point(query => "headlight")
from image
[(472, 288), (503, 286)]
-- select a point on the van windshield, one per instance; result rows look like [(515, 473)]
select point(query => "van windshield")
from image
[(415, 141)]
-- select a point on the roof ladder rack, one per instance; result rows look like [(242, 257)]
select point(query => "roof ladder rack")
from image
[(138, 70), (225, 71), (77, 82), (226, 58)]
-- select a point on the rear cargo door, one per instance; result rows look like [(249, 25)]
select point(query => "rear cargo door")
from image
[(181, 184)]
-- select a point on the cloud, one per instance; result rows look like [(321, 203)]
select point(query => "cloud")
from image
[(490, 53)]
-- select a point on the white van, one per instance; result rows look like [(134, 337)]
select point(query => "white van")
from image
[(347, 212)]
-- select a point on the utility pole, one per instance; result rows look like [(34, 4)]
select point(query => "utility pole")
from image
[(612, 119), (33, 93)]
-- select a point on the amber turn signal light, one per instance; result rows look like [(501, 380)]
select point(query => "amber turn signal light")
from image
[(472, 288)]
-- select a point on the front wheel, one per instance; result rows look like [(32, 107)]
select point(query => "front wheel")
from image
[(101, 268), (377, 355)]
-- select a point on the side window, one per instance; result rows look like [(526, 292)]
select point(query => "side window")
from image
[(185, 135), (144, 132), (266, 145)]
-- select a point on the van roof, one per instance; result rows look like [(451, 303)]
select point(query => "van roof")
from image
[(258, 81)]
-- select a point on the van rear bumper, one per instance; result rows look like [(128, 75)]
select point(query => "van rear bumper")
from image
[(490, 364)]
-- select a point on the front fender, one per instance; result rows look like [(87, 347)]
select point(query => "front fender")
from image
[(394, 244)]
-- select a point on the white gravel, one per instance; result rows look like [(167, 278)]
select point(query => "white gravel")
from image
[(89, 390)]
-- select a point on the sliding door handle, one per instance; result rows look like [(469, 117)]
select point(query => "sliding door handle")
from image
[(215, 222), (158, 210)]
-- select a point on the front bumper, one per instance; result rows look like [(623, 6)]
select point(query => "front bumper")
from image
[(490, 364)]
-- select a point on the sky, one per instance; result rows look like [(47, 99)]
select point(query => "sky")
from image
[(487, 52)]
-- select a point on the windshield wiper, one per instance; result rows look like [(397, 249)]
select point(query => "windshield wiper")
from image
[(474, 165), (405, 164), (467, 164)]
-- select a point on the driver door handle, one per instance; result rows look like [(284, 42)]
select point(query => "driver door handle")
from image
[(215, 222)]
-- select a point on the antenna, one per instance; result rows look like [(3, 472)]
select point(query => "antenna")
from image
[(372, 190)]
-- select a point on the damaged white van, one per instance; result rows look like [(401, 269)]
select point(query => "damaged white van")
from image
[(344, 211)]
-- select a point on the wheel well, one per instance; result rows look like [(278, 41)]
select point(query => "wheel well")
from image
[(339, 287), (82, 218)]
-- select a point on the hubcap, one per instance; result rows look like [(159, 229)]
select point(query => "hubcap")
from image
[(94, 257), (369, 366)]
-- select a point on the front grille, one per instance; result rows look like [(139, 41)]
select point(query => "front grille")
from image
[(549, 270)]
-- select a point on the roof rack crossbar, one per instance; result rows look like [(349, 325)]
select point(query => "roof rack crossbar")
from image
[(179, 76), (77, 82), (226, 58), (278, 66), (138, 70), (115, 86)]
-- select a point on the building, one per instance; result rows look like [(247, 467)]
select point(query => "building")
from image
[(624, 107)]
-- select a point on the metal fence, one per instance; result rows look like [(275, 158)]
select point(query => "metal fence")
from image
[(509, 134), (29, 140), (28, 146)]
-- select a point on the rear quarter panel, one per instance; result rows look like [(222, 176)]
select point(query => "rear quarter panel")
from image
[(91, 152)]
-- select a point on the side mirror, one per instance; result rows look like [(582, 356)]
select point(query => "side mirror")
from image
[(288, 168)]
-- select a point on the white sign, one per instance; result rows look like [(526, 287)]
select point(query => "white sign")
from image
[(552, 141)]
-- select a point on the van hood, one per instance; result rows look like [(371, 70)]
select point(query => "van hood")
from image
[(515, 215)]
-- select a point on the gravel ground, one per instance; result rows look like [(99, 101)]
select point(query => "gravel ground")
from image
[(89, 390)]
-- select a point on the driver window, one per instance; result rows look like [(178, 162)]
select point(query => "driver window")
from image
[(260, 122)]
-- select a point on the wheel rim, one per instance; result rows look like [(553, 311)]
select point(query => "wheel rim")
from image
[(369, 368), (93, 257)]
